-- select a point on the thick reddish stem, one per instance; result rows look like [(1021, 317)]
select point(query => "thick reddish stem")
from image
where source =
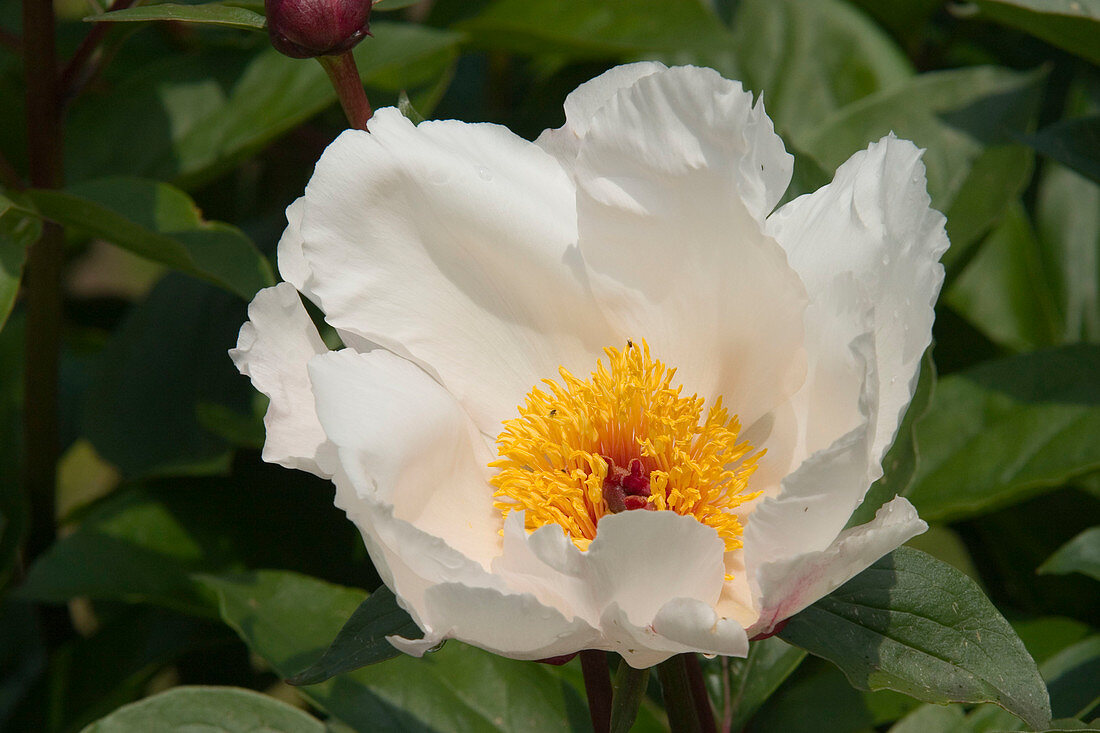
[(597, 686), (344, 75), (43, 275), (699, 692)]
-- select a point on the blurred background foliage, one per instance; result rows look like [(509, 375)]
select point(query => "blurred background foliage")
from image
[(182, 559)]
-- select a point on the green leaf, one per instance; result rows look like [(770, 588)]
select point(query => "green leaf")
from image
[(913, 624), (931, 719), (1006, 291), (386, 5), (208, 13), (245, 431), (222, 709), (142, 544), (18, 231), (900, 464), (997, 179), (127, 648), (362, 640), (953, 115), (819, 686), (204, 113), (166, 359), (944, 544), (1046, 636), (755, 678), (406, 106), (1071, 675), (161, 223), (289, 619), (23, 653), (132, 548), (1007, 429), (1070, 24), (1068, 222), (811, 59), (1079, 555), (613, 29), (905, 18), (1074, 142)]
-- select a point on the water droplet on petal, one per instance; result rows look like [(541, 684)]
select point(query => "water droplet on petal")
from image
[(484, 173)]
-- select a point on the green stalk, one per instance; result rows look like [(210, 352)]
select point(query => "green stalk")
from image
[(630, 686)]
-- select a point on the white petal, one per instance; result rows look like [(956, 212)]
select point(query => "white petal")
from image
[(513, 625), (295, 269), (416, 647), (292, 261), (674, 178), (817, 499), (788, 586), (273, 348), (692, 125), (648, 582), (403, 441), (583, 102), (638, 644), (872, 224), (546, 564), (696, 625), (641, 559), (409, 560), (449, 243)]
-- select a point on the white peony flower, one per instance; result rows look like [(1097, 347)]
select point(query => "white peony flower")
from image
[(519, 319)]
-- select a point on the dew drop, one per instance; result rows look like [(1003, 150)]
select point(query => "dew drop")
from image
[(484, 173)]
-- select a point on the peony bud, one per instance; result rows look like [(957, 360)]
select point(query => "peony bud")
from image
[(307, 28)]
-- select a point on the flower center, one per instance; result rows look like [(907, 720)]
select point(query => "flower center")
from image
[(624, 439)]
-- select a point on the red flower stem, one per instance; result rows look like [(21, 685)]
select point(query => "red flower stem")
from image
[(76, 72), (679, 702), (344, 76), (699, 692), (597, 686), (42, 280)]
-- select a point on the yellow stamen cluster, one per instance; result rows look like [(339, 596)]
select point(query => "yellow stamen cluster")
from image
[(551, 456)]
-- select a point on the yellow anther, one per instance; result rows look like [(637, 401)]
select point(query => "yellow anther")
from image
[(552, 457)]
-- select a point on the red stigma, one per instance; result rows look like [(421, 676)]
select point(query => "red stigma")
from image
[(625, 488)]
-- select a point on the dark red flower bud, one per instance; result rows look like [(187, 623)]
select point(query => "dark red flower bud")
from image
[(303, 29)]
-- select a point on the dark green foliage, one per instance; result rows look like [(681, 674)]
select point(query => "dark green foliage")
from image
[(184, 560)]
